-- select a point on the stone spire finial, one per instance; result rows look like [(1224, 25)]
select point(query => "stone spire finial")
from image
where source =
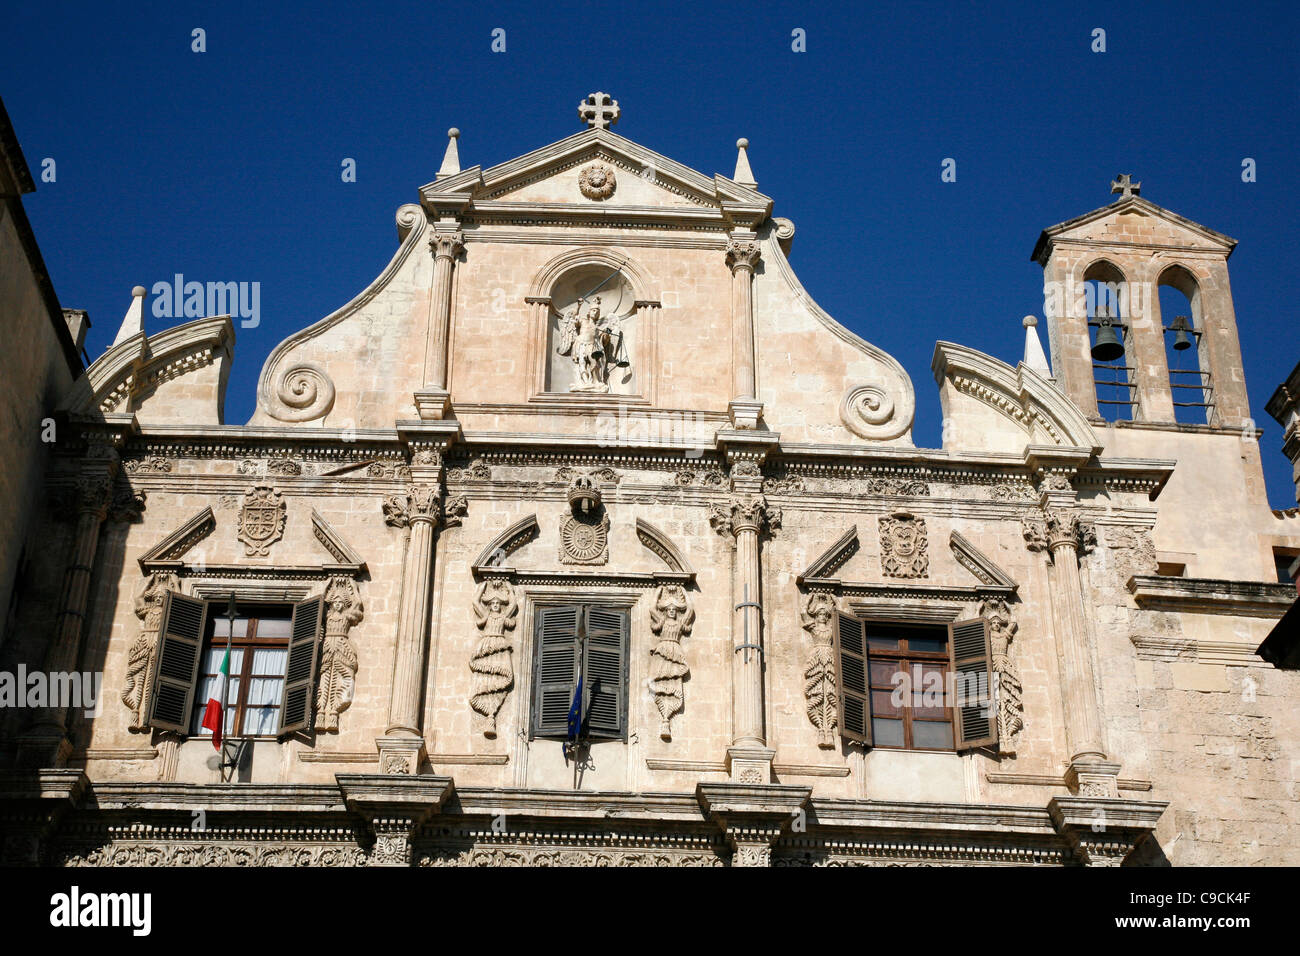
[(744, 175), (133, 322), (450, 159), (1034, 356), (1125, 186), (599, 110)]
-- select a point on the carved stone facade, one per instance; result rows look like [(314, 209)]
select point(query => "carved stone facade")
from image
[(706, 458)]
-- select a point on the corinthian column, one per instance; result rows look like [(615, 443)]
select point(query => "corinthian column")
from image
[(420, 511), (1060, 533), (742, 257), (744, 517), (46, 744), (433, 401)]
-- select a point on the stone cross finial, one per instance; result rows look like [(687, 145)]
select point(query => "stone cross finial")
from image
[(1125, 186), (599, 110)]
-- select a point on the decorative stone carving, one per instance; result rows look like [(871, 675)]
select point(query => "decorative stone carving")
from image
[(454, 511), (182, 852), (671, 619), (1009, 691), (144, 650), (495, 612), (597, 181), (1057, 527), (1012, 491), (393, 762), (1135, 552), (1056, 481), (819, 677), (585, 539), (304, 392), (785, 485), (866, 410), (261, 519), (744, 513), (904, 547), (594, 343), (338, 660), (127, 504), (742, 253), (881, 485), (153, 465), (397, 513)]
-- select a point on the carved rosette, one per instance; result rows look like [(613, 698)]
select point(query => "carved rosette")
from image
[(819, 677), (1008, 690), (597, 181), (338, 660), (496, 612), (744, 513), (262, 517), (671, 619), (144, 649), (585, 539), (904, 546)]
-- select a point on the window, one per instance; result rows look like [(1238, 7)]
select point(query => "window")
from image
[(587, 642), (259, 651), (273, 656), (916, 687), (1283, 560)]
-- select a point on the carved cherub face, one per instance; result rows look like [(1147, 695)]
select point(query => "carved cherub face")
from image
[(495, 605)]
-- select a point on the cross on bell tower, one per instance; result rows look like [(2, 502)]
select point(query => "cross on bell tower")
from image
[(599, 111), (1125, 186)]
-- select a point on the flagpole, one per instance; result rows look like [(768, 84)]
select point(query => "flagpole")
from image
[(577, 738), (231, 610)]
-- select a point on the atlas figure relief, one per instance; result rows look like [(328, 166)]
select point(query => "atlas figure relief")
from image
[(594, 344)]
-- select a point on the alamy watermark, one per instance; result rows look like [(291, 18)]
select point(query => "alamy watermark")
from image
[(60, 689), (179, 299)]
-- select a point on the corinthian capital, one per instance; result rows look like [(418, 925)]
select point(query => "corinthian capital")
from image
[(422, 502), (744, 513), (94, 494), (1059, 528), (446, 245), (742, 253)]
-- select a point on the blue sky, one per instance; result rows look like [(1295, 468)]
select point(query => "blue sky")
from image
[(225, 165)]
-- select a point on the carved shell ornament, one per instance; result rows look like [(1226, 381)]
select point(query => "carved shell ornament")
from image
[(597, 181)]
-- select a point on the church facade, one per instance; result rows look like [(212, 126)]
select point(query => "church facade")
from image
[(587, 438)]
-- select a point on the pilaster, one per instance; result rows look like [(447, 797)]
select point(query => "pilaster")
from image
[(752, 816), (393, 808), (742, 256), (433, 401)]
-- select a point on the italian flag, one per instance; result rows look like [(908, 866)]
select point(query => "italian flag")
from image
[(212, 716)]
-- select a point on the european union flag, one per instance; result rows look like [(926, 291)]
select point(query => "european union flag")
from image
[(575, 716)]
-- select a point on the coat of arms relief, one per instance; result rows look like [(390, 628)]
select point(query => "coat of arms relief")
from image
[(262, 518)]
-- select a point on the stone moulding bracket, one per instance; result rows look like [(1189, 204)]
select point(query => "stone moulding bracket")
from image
[(658, 542), (166, 554), (348, 559), (978, 563)]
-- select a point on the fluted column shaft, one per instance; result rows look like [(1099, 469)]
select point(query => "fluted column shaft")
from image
[(423, 510), (446, 246), (747, 627), (742, 256), (1082, 718)]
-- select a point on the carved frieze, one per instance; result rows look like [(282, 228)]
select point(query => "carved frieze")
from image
[(338, 657), (904, 546), (152, 465), (881, 485), (495, 612), (819, 676), (262, 517), (671, 619)]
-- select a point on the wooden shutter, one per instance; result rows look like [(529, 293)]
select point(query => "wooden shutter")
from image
[(297, 707), (974, 710), (605, 670), (851, 678), (183, 622), (555, 668)]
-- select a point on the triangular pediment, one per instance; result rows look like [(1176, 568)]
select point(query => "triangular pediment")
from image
[(1134, 220), (549, 179)]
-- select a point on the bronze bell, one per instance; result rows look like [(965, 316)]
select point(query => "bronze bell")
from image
[(1182, 342), (1108, 347)]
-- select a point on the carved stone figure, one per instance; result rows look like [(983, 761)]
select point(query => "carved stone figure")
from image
[(819, 678), (261, 520), (671, 619), (1010, 704), (144, 650), (904, 547), (338, 660), (495, 611), (594, 347)]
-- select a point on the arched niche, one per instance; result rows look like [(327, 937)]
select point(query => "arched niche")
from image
[(1106, 287), (1190, 385)]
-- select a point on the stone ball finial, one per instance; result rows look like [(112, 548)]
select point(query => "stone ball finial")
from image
[(742, 143), (139, 291), (1029, 321), (453, 132)]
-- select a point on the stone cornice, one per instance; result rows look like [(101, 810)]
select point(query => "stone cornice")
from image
[(1212, 595)]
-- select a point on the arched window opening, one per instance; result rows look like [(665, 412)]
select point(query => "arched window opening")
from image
[(1108, 338), (1190, 386)]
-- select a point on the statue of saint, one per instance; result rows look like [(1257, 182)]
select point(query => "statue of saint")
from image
[(592, 346)]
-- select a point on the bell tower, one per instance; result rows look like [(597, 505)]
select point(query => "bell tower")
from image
[(1102, 275)]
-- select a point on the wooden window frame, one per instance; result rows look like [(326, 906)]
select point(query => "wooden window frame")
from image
[(910, 657), (248, 643), (583, 606)]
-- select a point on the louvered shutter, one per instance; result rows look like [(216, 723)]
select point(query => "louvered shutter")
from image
[(183, 622), (298, 704), (605, 670), (555, 668), (974, 709), (851, 678)]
